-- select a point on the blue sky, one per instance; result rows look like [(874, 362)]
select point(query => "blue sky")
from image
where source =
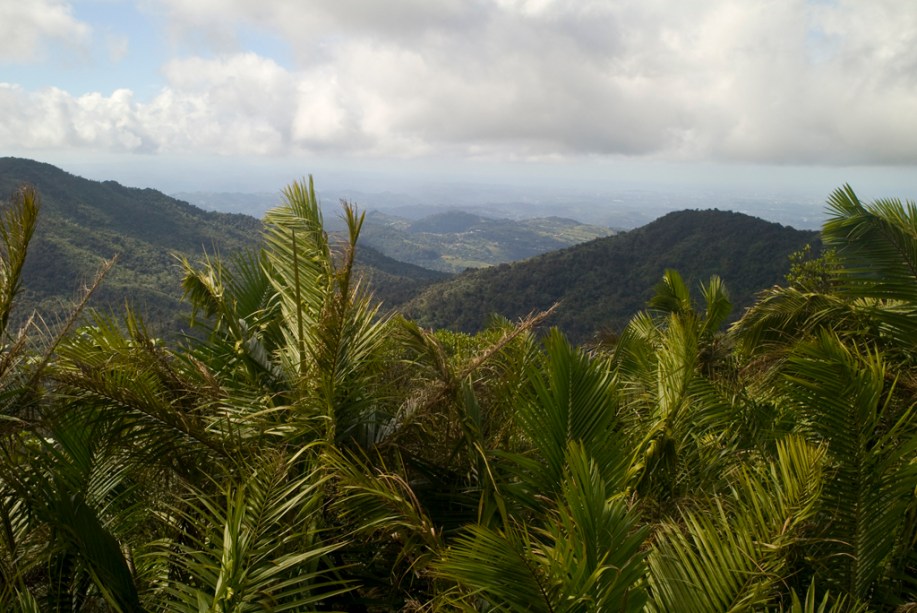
[(244, 95)]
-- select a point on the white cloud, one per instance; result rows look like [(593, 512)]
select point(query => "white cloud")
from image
[(759, 81), (26, 28), (53, 118)]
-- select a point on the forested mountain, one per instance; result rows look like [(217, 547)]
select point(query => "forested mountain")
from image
[(602, 283), (84, 222)]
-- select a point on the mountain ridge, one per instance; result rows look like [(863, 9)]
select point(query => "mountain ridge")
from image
[(602, 283), (83, 222)]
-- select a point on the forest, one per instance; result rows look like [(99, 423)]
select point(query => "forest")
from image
[(305, 451), (601, 284)]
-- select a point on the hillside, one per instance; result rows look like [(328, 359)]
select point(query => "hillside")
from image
[(393, 283), (600, 284), (83, 222), (452, 241)]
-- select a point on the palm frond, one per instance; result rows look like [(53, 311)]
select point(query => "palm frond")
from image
[(76, 483), (588, 555), (877, 245), (736, 555), (301, 269), (812, 604), (679, 419), (17, 224), (717, 305), (255, 546), (394, 540), (672, 294), (572, 399), (131, 382), (847, 401)]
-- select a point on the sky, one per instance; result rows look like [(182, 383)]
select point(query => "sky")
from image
[(246, 95)]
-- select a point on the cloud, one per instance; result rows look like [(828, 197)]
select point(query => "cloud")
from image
[(54, 118), (27, 28), (828, 82)]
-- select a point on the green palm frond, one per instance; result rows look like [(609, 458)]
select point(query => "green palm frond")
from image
[(253, 546), (301, 269), (871, 291), (393, 538), (135, 384), (332, 330), (76, 484), (673, 297), (203, 287), (244, 328), (496, 570), (782, 316), (812, 604), (672, 294), (588, 555), (717, 305), (679, 420), (846, 400), (736, 555), (17, 224), (22, 542), (877, 245), (573, 398), (380, 499)]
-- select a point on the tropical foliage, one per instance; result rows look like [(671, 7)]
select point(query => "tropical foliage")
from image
[(305, 452)]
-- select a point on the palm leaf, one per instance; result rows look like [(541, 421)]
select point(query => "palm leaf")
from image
[(736, 555), (572, 398), (717, 305), (877, 245), (255, 546), (588, 555), (331, 328), (77, 484), (813, 605), (17, 224), (672, 295), (845, 399)]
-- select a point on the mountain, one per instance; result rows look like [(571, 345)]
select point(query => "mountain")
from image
[(454, 240), (83, 222), (602, 283)]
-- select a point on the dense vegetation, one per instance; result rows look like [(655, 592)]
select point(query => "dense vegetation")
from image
[(306, 453), (603, 283)]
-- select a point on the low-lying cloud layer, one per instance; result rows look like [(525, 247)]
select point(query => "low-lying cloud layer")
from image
[(752, 80)]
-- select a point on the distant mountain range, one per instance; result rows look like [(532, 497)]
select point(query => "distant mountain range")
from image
[(602, 283), (83, 222), (454, 240), (448, 240)]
